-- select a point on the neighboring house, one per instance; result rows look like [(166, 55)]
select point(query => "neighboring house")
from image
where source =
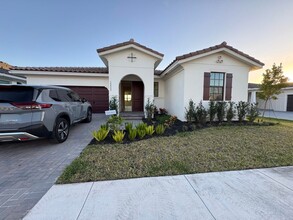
[(284, 101), (7, 78), (216, 73)]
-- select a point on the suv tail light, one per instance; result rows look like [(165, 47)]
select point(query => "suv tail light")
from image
[(31, 105)]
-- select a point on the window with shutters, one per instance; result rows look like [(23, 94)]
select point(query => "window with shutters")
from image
[(216, 86)]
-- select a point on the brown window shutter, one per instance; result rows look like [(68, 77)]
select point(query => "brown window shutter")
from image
[(206, 86), (229, 77)]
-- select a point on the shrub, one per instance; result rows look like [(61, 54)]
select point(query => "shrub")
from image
[(160, 129), (141, 133), (114, 122), (141, 126), (101, 134), (150, 109), (193, 127), (190, 112), (252, 112), (163, 111), (150, 130), (132, 134), (230, 111), (201, 113), (118, 136), (104, 126), (221, 110), (128, 126), (170, 122), (113, 103), (212, 110), (241, 110), (162, 118)]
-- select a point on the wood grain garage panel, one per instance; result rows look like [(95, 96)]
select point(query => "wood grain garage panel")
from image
[(97, 96)]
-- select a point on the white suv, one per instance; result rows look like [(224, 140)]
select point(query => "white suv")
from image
[(29, 112)]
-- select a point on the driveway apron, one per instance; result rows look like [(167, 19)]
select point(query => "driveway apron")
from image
[(29, 169)]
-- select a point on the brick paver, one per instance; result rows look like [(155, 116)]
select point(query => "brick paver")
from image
[(29, 169)]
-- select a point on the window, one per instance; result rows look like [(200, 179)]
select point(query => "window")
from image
[(216, 86), (156, 89), (16, 94), (74, 96), (63, 95), (53, 95)]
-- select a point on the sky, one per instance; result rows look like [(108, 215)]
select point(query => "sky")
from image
[(68, 32)]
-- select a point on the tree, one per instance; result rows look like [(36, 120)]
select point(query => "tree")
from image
[(271, 85)]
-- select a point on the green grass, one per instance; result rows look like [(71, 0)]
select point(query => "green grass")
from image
[(206, 150)]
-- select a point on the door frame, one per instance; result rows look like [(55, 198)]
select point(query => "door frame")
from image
[(124, 84)]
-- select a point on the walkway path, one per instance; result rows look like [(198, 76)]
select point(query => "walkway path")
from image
[(249, 194)]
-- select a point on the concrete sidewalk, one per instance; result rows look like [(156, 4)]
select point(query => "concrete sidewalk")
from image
[(250, 194), (278, 115)]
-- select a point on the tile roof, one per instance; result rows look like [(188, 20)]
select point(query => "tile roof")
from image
[(206, 50), (64, 69), (70, 69), (256, 86), (131, 41)]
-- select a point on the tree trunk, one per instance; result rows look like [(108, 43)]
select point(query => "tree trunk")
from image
[(263, 114)]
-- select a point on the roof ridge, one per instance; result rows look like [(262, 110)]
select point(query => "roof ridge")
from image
[(125, 43)]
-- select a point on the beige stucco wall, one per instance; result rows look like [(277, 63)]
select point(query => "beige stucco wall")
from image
[(67, 80), (188, 84), (120, 66), (277, 105), (174, 94), (194, 76)]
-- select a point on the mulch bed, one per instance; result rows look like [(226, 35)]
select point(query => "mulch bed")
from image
[(177, 127)]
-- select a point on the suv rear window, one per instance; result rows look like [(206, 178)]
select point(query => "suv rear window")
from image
[(16, 94)]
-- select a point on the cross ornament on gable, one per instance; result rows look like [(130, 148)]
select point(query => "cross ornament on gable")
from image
[(131, 57)]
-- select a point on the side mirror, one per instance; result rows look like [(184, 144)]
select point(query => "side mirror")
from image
[(83, 100)]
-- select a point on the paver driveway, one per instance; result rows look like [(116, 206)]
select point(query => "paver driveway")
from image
[(29, 169)]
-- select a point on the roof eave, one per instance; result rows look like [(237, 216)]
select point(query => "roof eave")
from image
[(106, 52), (254, 65)]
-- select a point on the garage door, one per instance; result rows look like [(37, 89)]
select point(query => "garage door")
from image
[(290, 103), (97, 96)]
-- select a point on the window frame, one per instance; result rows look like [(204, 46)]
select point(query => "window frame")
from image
[(156, 89), (216, 85)]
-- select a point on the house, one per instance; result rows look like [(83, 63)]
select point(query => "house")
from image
[(215, 73), (7, 78), (284, 101)]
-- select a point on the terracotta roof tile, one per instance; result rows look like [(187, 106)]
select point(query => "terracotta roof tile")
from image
[(64, 69), (69, 69), (131, 41)]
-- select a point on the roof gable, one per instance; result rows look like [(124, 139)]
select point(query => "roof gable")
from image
[(223, 47), (131, 42), (126, 45)]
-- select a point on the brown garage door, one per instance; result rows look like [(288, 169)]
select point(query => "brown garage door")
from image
[(290, 103), (97, 96)]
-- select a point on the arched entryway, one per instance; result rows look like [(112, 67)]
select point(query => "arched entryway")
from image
[(131, 94)]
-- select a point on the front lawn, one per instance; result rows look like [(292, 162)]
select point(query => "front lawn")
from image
[(205, 150)]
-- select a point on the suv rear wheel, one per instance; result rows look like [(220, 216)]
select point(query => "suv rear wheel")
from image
[(61, 130)]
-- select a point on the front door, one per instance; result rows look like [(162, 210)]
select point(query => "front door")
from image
[(137, 96)]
